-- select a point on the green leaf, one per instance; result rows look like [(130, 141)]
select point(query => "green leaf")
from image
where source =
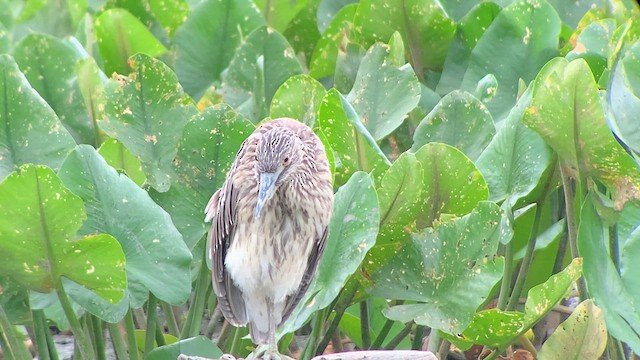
[(279, 13), (332, 41), (525, 35), (516, 159), (352, 232), (382, 94), (147, 112), (582, 336), (30, 131), (499, 328), (91, 81), (261, 64), (354, 148), (450, 269), (452, 184), (171, 14), (38, 242), (415, 20), (612, 291), (624, 98), (195, 346), (302, 32), (120, 158), (207, 41), (298, 98), (593, 45), (121, 35), (206, 150), (49, 65), (157, 258), (566, 111), (456, 111), (470, 29), (399, 196)]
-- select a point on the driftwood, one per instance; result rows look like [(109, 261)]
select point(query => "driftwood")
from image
[(352, 355)]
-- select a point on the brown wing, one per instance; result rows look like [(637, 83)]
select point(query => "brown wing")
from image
[(221, 210)]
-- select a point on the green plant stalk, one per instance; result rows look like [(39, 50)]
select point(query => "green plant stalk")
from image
[(310, 346), (82, 341), (526, 261), (160, 340), (614, 249), (95, 328), (393, 343), (235, 342), (572, 225), (117, 341), (527, 345), (53, 352), (416, 344), (170, 317), (507, 275), (152, 317), (14, 346), (194, 317), (365, 327), (39, 331), (223, 338), (340, 307), (132, 343)]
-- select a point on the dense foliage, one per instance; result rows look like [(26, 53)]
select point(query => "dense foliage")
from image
[(485, 155)]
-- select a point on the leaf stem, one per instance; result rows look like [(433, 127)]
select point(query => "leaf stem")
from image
[(152, 317), (82, 342), (400, 336), (416, 344), (95, 327), (170, 317), (341, 306), (15, 348), (365, 328), (311, 345), (235, 343), (384, 332), (39, 331), (117, 341), (132, 344), (203, 282), (526, 261), (572, 227), (507, 275)]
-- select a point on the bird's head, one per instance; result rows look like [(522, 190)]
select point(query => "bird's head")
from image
[(277, 157)]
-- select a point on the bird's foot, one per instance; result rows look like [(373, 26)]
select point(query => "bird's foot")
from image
[(266, 352)]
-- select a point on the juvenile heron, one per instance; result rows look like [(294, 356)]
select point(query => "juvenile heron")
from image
[(269, 227)]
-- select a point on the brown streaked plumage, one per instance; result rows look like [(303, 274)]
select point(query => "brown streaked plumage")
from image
[(269, 227)]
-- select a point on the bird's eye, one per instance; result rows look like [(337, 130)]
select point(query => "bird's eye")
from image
[(285, 161)]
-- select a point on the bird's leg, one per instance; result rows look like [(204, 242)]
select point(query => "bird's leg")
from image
[(272, 352)]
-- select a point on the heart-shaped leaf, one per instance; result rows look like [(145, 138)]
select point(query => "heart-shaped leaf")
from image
[(157, 257), (30, 131), (38, 242), (207, 41), (298, 98), (262, 63), (566, 111), (382, 94), (456, 111), (147, 112), (450, 269)]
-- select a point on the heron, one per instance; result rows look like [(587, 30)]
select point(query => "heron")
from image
[(269, 224)]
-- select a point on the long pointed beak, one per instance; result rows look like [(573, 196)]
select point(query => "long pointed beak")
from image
[(267, 187)]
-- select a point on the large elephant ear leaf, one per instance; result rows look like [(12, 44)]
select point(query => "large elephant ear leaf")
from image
[(30, 131), (147, 111), (38, 244)]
